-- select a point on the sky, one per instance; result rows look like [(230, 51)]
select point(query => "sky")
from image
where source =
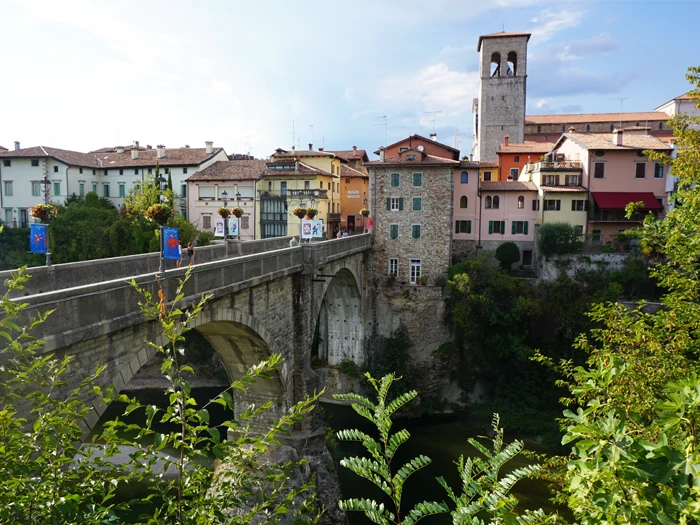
[(255, 75)]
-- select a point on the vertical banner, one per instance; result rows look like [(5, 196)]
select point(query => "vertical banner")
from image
[(306, 229), (369, 223), (233, 226), (219, 228), (38, 238), (171, 244)]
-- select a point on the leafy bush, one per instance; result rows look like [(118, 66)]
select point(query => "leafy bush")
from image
[(205, 238), (349, 367), (507, 254), (557, 238)]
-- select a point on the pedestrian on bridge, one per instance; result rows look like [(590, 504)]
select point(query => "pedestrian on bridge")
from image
[(190, 254)]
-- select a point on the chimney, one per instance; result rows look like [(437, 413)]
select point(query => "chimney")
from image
[(311, 146), (320, 149), (572, 129), (354, 148), (433, 136), (134, 154), (617, 137), (136, 144), (381, 154), (210, 146), (506, 139), (160, 151), (187, 146), (294, 149), (16, 145), (148, 146), (120, 149)]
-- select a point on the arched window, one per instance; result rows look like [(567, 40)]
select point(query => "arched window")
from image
[(463, 201), (495, 202), (512, 64), (487, 203), (464, 177), (521, 202), (495, 65), (539, 129)]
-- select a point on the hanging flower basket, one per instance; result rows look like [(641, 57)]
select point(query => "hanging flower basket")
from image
[(364, 212), (237, 212), (299, 212), (160, 213), (311, 213), (44, 212), (224, 212)]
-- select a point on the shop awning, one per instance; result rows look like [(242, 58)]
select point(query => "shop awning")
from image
[(614, 200)]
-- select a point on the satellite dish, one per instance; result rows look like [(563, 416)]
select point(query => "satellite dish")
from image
[(420, 148)]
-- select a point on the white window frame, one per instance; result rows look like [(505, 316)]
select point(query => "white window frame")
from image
[(8, 189), (394, 267), (394, 204), (420, 231), (515, 173), (415, 275), (635, 170), (594, 165), (36, 189), (398, 231)]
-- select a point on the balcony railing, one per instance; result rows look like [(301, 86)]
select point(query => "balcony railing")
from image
[(615, 216), (554, 165), (293, 194)]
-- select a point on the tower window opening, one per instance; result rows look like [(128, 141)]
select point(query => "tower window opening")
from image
[(495, 65), (512, 64)]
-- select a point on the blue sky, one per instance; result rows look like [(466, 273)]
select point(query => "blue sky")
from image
[(82, 75)]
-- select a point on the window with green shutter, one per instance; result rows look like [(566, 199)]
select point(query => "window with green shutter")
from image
[(417, 179), (417, 204), (469, 226), (400, 203), (394, 179), (463, 226), (415, 231), (57, 188), (394, 231)]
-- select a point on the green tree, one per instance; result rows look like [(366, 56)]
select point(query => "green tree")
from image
[(507, 254), (557, 238)]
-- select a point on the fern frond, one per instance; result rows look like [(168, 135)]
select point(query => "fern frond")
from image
[(370, 470), (395, 441), (421, 510), (375, 512), (400, 401), (407, 470)]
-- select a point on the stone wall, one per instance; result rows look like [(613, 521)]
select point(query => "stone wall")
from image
[(552, 268)]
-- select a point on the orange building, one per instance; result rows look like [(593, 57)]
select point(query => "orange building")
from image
[(513, 157), (354, 188)]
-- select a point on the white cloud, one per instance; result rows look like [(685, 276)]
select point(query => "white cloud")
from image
[(548, 23), (601, 44), (543, 102)]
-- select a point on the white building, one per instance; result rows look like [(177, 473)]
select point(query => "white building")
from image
[(109, 172)]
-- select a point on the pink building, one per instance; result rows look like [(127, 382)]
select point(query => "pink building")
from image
[(465, 208), (507, 215), (616, 171)]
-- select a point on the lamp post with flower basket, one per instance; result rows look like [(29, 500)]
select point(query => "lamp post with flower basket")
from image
[(238, 212), (160, 213), (45, 213), (300, 213), (224, 213)]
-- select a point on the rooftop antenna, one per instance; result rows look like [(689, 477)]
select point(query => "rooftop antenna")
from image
[(323, 141), (293, 133), (433, 113), (621, 99), (383, 124), (311, 128), (248, 146), (457, 135)]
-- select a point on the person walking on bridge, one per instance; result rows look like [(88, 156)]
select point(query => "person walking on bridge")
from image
[(190, 254)]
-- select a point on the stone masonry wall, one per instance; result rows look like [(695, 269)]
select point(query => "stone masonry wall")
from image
[(552, 268)]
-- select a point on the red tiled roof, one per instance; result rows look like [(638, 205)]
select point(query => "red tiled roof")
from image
[(604, 141), (416, 136), (351, 154), (526, 147), (582, 118), (149, 157), (500, 35), (426, 160), (72, 158), (614, 200), (348, 172), (488, 164), (230, 170), (468, 164), (302, 170), (3, 148), (513, 185), (283, 154)]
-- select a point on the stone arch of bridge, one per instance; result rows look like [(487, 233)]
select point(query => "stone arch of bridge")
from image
[(339, 320)]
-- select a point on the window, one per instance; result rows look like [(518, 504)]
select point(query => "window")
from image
[(8, 217), (415, 231), (415, 270), (410, 157), (487, 202), (206, 222), (56, 189), (521, 202), (93, 172), (487, 176), (417, 204), (106, 172), (417, 180), (395, 179), (463, 201), (394, 231), (464, 177), (121, 172), (283, 187), (136, 171), (7, 163), (105, 190), (551, 180), (122, 190), (572, 180), (552, 205), (535, 204), (658, 171), (55, 169), (578, 230), (596, 235), (184, 171), (81, 190), (94, 187), (394, 204), (578, 205), (497, 227), (640, 170), (269, 186), (35, 162), (8, 188), (598, 170), (36, 189), (183, 191), (245, 222), (519, 227), (496, 202), (463, 226), (394, 267), (514, 173), (402, 149), (81, 170), (516, 158), (307, 184)]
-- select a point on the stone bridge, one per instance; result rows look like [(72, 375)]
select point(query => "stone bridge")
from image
[(263, 303)]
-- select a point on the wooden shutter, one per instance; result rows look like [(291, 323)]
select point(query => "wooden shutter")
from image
[(503, 227), (525, 227), (585, 205), (641, 170), (456, 226), (490, 226), (469, 226), (512, 227), (388, 204), (573, 205), (400, 203), (558, 205), (599, 171)]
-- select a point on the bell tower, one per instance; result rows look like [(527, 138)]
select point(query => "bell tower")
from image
[(500, 109)]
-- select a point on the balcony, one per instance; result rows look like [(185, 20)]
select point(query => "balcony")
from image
[(616, 216), (293, 194), (545, 165)]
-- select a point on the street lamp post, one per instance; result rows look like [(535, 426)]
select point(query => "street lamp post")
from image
[(238, 205), (301, 219), (160, 180), (46, 183), (224, 197)]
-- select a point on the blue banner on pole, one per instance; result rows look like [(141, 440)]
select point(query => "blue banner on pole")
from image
[(38, 238), (171, 245)]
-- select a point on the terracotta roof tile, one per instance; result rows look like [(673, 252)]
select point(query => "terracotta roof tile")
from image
[(351, 154), (149, 157), (348, 172), (230, 170), (513, 185), (3, 148), (468, 164), (72, 158), (582, 118), (415, 135), (426, 160), (302, 170), (630, 141), (303, 153), (526, 147), (488, 164), (500, 35)]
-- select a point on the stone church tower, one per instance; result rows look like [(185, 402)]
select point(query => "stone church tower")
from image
[(500, 108)]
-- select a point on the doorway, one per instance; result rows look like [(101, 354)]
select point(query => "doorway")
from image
[(351, 223)]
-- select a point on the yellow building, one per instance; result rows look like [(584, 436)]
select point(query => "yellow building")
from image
[(304, 178)]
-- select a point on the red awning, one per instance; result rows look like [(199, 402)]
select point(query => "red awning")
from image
[(613, 200)]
